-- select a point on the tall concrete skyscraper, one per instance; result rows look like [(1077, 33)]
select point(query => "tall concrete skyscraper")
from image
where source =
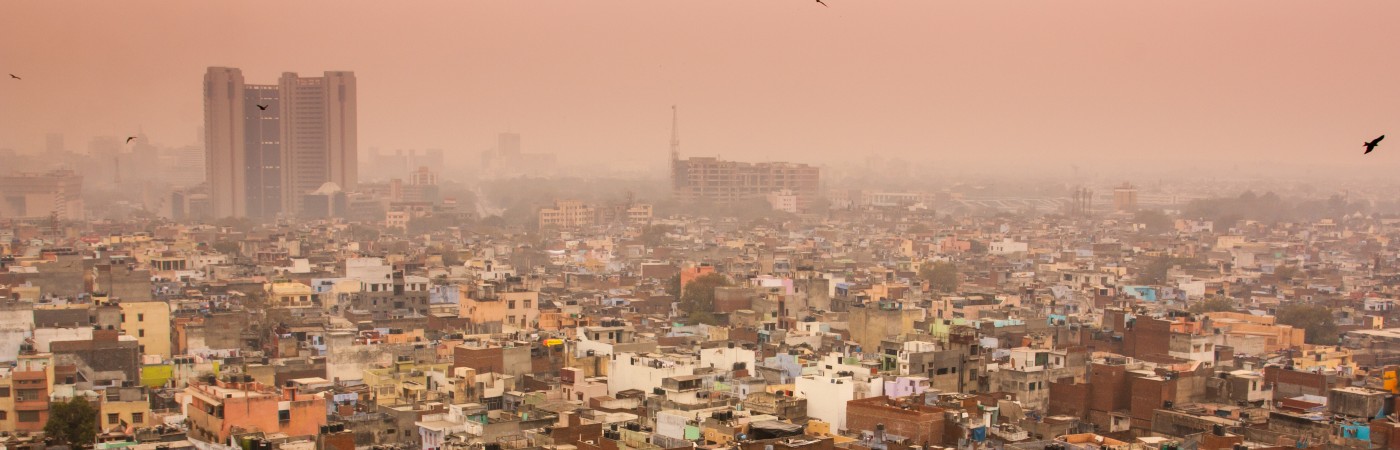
[(225, 154), (267, 146), (318, 135), (262, 143)]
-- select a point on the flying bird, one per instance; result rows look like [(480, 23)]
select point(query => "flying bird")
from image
[(15, 77), (130, 138), (823, 3), (1372, 145), (262, 107)]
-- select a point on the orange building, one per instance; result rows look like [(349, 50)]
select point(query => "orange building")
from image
[(689, 274), (32, 381), (216, 411)]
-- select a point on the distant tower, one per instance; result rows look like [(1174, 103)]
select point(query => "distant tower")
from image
[(677, 167), (1082, 202), (675, 137), (1125, 198)]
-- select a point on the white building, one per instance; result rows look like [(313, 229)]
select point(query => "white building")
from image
[(1007, 246), (784, 200), (644, 372)]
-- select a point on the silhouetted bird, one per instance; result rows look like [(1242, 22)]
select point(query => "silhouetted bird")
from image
[(130, 138), (262, 107), (15, 77), (823, 3), (1372, 145)]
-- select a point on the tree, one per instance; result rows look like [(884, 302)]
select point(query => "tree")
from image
[(1286, 273), (1155, 272), (655, 235), (72, 423), (941, 276), (1153, 220), (673, 286), (227, 247), (1213, 305), (1316, 321), (698, 297)]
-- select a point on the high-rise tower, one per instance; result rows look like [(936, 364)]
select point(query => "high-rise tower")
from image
[(318, 135), (266, 146), (224, 150)]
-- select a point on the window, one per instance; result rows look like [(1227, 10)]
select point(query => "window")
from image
[(527, 304), (140, 333), (28, 395), (29, 416), (284, 415), (4, 415), (113, 418), (510, 304), (4, 392), (141, 317), (137, 417)]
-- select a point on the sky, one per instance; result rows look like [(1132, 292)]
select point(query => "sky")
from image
[(985, 82)]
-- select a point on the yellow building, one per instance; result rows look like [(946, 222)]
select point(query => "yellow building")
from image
[(402, 382), (7, 400), (1249, 333), (124, 407), (289, 294), (149, 322)]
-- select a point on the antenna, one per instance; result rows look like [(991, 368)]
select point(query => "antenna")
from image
[(675, 136)]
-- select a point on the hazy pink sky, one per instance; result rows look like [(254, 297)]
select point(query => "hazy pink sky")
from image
[(755, 79)]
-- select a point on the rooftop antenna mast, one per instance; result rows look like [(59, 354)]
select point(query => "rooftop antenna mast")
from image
[(675, 137)]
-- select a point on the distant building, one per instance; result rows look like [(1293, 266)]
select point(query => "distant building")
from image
[(319, 134), (266, 146), (567, 214), (507, 159), (709, 179), (715, 180), (422, 187), (56, 194), (1125, 198), (783, 200), (576, 214)]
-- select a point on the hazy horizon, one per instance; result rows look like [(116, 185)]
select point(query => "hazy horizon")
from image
[(1090, 83)]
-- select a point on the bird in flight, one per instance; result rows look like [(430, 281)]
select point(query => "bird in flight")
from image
[(823, 3), (15, 77), (262, 107), (1372, 145), (130, 138)]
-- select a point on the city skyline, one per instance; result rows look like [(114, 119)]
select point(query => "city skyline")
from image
[(1290, 82)]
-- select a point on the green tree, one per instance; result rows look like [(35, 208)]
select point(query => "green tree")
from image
[(227, 247), (1286, 273), (72, 423), (1213, 305), (698, 298), (1155, 272), (941, 276), (1155, 221), (1316, 321), (655, 235), (673, 286)]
